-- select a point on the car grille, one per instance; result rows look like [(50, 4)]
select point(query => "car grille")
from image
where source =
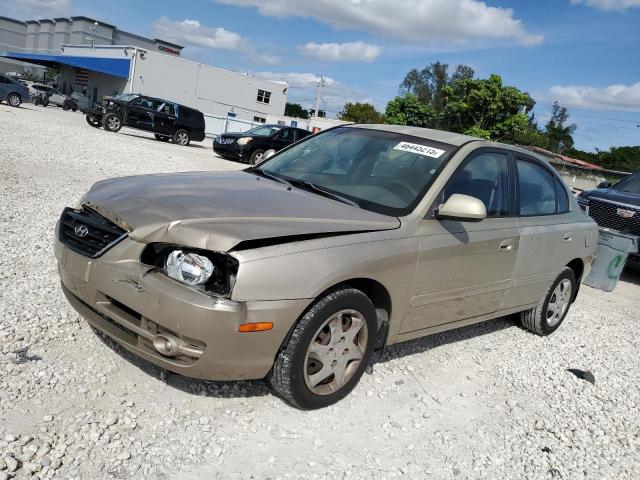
[(612, 215), (86, 232), (225, 141)]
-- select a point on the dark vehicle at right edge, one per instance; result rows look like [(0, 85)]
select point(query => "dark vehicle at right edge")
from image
[(616, 206), (250, 146), (167, 120)]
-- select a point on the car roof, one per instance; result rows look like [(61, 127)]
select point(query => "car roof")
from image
[(451, 138)]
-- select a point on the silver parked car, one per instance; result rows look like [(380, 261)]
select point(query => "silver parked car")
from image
[(304, 268)]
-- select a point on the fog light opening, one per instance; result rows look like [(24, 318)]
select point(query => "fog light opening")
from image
[(166, 345)]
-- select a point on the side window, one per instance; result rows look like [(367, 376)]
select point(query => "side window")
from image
[(166, 108), (485, 177), (561, 196), (537, 188), (3, 80), (286, 134)]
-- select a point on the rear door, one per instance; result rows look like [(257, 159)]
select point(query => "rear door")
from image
[(465, 269), (283, 138), (165, 119), (4, 87), (547, 236)]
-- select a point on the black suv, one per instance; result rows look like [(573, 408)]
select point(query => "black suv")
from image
[(168, 120), (615, 206), (251, 146)]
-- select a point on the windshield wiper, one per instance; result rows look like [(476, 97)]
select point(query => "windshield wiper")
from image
[(270, 176), (322, 191)]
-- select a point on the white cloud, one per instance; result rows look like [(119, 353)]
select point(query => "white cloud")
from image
[(192, 33), (36, 9), (614, 97), (426, 22), (342, 52), (303, 87), (609, 4)]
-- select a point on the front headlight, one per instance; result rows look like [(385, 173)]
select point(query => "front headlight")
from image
[(244, 140), (189, 268), (203, 270)]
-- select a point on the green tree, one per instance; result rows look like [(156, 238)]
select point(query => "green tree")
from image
[(486, 108), (558, 131), (360, 113), (295, 110), (428, 84), (408, 110)]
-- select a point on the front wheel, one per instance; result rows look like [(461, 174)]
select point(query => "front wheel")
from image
[(552, 309), (256, 157), (112, 122), (181, 137), (91, 120), (14, 100), (328, 351)]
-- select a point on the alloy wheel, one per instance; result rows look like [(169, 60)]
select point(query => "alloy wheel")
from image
[(183, 138), (559, 302), (114, 123), (335, 352), (14, 100)]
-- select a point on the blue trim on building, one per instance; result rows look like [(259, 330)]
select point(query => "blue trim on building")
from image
[(117, 67)]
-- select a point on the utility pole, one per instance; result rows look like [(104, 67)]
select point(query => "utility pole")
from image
[(319, 96)]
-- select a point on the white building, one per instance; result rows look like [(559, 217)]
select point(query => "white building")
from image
[(106, 70)]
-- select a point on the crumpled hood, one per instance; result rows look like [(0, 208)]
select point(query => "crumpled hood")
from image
[(217, 211)]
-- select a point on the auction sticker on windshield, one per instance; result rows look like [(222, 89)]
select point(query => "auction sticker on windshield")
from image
[(419, 149)]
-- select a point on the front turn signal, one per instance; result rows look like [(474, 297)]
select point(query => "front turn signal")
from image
[(255, 327)]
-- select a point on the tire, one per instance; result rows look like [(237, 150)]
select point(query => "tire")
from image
[(45, 101), (544, 320), (162, 138), (14, 100), (256, 157), (297, 374), (65, 107), (74, 109), (181, 137), (112, 122), (91, 120)]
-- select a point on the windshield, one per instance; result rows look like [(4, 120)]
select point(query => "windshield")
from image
[(629, 184), (380, 171), (263, 130), (126, 97)]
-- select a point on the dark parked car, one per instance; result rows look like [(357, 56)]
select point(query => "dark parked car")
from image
[(12, 91), (616, 206), (250, 146), (168, 120)]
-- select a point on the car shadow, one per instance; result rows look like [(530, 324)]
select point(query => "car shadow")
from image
[(424, 344), (191, 145), (631, 274), (192, 386)]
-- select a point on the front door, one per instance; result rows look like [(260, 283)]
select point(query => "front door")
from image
[(141, 113), (283, 138), (465, 269)]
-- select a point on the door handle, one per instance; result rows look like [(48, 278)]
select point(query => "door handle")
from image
[(568, 237), (506, 245)]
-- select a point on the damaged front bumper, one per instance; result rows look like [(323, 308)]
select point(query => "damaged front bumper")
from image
[(169, 324)]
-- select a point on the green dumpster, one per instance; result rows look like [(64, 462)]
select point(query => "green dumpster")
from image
[(611, 256)]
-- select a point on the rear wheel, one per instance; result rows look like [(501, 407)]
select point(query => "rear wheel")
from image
[(162, 138), (256, 157), (112, 122), (327, 352), (14, 100), (552, 309), (181, 137)]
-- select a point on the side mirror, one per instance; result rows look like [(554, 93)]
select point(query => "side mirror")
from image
[(463, 208), (268, 154), (604, 184)]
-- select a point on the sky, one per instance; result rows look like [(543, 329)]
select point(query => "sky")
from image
[(583, 53)]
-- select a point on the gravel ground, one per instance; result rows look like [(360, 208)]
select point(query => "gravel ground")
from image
[(488, 401)]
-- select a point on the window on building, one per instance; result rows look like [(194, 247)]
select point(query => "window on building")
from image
[(259, 120), (264, 96)]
